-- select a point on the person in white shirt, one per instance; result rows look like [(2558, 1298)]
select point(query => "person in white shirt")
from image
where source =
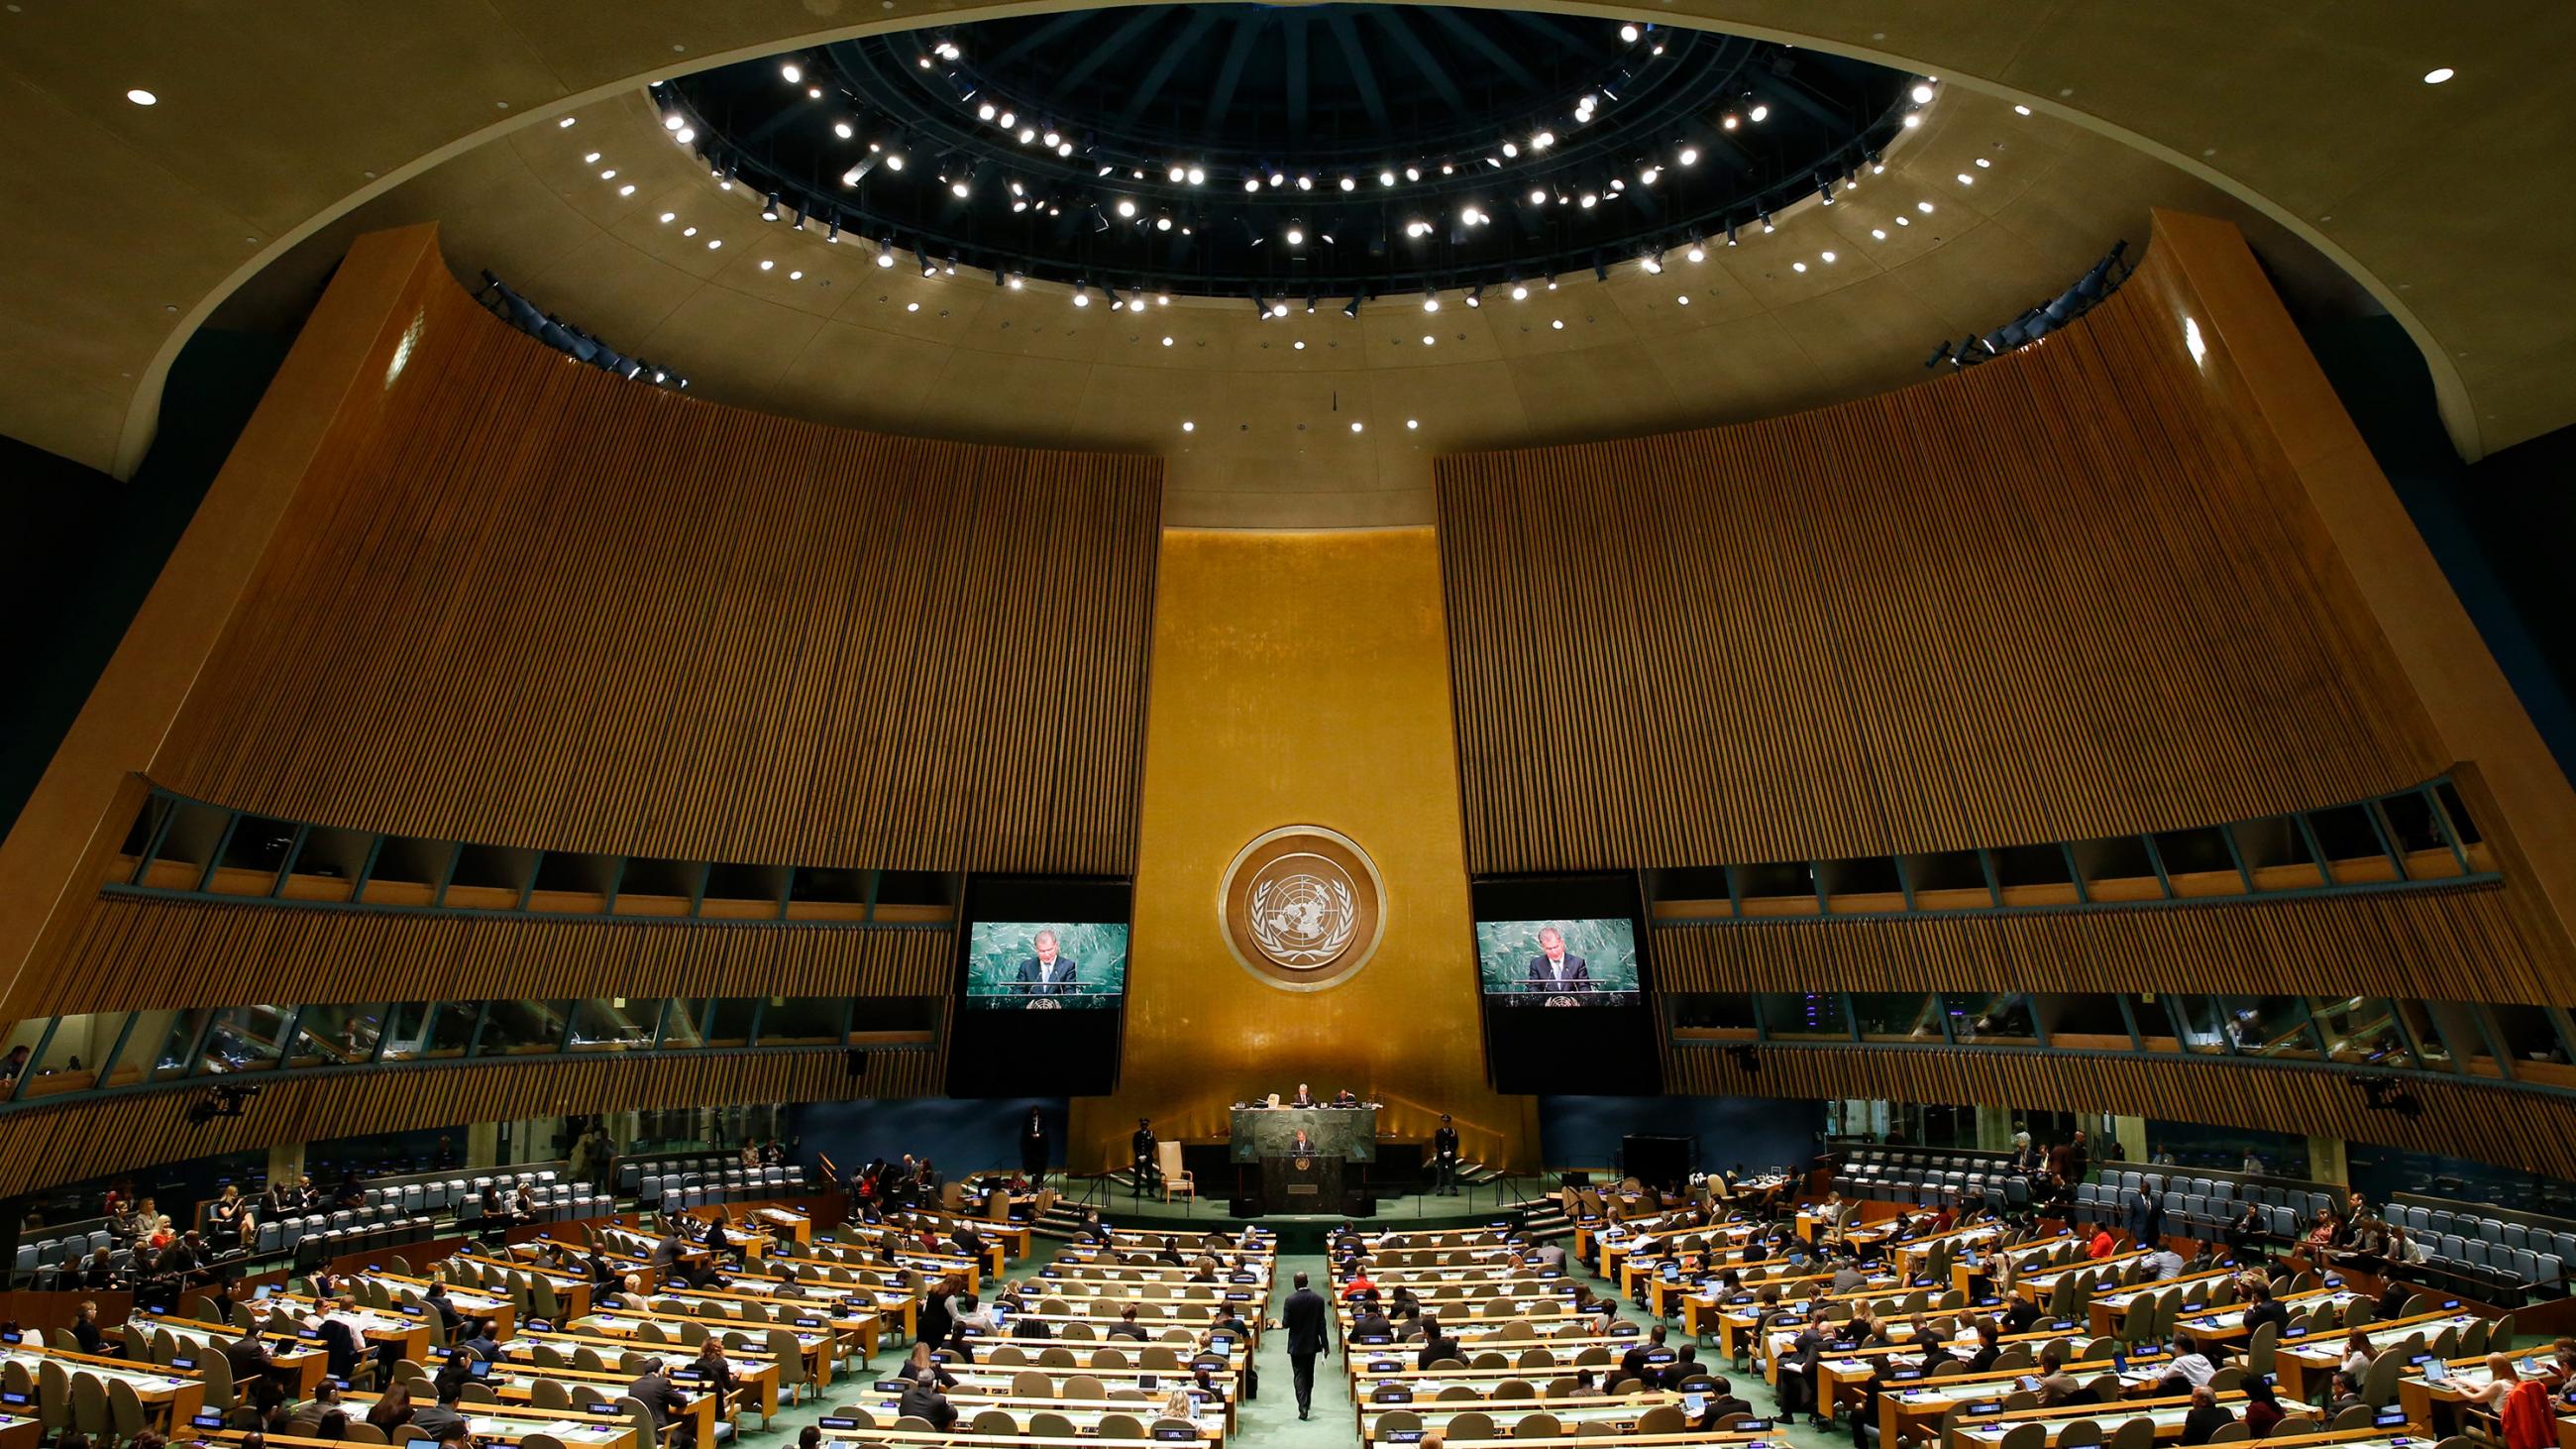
[(2166, 1262)]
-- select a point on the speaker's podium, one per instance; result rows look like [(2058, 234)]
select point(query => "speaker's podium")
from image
[(1304, 1177), (1308, 1184)]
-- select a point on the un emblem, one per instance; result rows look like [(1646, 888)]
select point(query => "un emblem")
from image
[(1302, 907)]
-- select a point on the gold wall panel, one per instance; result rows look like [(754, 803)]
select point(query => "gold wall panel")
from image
[(1301, 678)]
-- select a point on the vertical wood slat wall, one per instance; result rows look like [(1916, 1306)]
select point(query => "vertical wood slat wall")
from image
[(130, 954), (2063, 595), (542, 606), (47, 1145), (2509, 1128), (2447, 943)]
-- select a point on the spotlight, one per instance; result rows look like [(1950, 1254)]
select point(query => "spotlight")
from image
[(1766, 223), (1430, 299), (1628, 33), (1351, 309), (1940, 354), (1519, 292), (790, 73), (1653, 262), (1759, 114), (769, 208), (1922, 94), (1688, 156), (885, 251), (1825, 189), (1476, 295), (1081, 298)]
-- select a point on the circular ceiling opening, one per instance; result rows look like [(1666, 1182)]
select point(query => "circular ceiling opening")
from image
[(1266, 152)]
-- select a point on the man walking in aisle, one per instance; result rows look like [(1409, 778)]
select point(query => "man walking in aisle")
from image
[(1304, 1320)]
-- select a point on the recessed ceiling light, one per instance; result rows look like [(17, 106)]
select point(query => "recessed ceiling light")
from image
[(1558, 324), (1829, 257), (795, 276), (1797, 266), (1355, 427), (2433, 77), (1427, 339), (912, 306), (1167, 342), (2021, 110), (1913, 119), (627, 190), (1684, 299), (592, 159), (1300, 346), (1412, 423), (1924, 207), (668, 216), (688, 231), (714, 243), (1189, 427), (566, 123), (766, 264), (1922, 95)]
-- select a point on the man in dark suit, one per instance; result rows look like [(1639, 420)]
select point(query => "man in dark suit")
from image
[(923, 1400), (1553, 969), (1301, 1144), (1143, 1143), (1444, 1157), (1303, 1317), (1436, 1345), (1303, 1098), (654, 1390), (1045, 973)]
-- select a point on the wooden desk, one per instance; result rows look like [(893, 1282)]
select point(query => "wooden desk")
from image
[(752, 1368), (2307, 1365), (305, 1358), (171, 1399)]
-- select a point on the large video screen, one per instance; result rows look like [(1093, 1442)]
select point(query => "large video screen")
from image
[(1558, 962), (1041, 986), (1045, 965)]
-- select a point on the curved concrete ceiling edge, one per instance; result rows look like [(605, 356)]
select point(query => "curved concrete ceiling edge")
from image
[(2450, 386)]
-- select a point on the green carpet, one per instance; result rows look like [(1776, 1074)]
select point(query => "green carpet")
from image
[(1271, 1422)]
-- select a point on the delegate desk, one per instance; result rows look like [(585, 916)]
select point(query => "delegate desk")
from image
[(292, 1353), (1617, 1413), (2108, 1311), (516, 1386), (1914, 1410), (2306, 1365), (2227, 1325), (166, 1396), (2164, 1418), (883, 1402), (19, 1432), (2438, 1405), (571, 1289), (752, 1368), (407, 1329), (815, 1345), (998, 1378), (1840, 1369)]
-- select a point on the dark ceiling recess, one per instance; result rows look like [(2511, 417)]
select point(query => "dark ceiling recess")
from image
[(1289, 152)]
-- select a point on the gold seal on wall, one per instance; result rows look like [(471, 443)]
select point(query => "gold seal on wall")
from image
[(1302, 907)]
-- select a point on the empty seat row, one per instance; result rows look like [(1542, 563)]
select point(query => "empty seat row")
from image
[(696, 1189)]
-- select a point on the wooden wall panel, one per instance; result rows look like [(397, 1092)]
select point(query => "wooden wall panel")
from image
[(2446, 942), (131, 953), (43, 1146), (2058, 596), (2493, 1123), (536, 605)]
